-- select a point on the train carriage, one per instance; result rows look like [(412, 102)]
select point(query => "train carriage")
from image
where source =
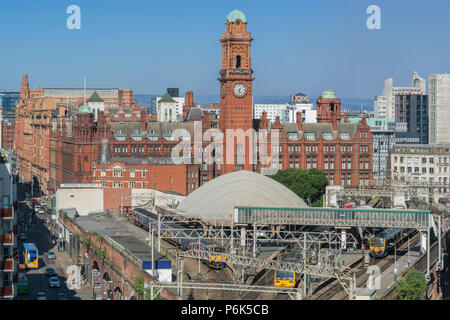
[(184, 236)]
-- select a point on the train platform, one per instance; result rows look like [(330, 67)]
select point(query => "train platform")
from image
[(390, 276)]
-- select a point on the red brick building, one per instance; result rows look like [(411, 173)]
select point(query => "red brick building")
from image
[(8, 136), (62, 144)]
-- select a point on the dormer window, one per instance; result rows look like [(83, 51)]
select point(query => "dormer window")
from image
[(327, 136), (344, 135), (310, 136)]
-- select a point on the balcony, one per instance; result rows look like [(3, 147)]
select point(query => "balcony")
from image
[(6, 213), (7, 239), (7, 291), (7, 265)]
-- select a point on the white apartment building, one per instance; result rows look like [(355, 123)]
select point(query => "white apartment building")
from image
[(384, 105), (179, 102), (287, 112), (422, 164), (166, 109), (439, 108)]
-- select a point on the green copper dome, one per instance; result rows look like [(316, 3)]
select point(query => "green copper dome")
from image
[(85, 109), (328, 94), (236, 14)]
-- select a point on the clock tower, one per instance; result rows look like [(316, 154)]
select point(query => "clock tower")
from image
[(236, 96)]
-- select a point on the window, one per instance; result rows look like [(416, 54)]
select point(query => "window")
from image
[(132, 173), (238, 62), (310, 136), (344, 136)]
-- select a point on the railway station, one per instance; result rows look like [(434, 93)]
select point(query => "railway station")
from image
[(246, 234)]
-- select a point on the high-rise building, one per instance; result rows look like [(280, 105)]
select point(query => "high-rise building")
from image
[(174, 92), (413, 110), (8, 102), (418, 82), (439, 108), (384, 105)]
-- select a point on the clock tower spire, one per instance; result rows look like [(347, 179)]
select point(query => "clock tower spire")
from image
[(236, 96)]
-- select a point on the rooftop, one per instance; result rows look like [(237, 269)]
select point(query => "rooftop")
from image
[(216, 200), (236, 14)]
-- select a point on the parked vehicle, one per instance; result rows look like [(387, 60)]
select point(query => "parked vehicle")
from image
[(51, 255)]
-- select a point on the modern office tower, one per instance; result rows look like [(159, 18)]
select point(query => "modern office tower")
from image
[(174, 92), (413, 110), (418, 82), (8, 102), (439, 108), (384, 105)]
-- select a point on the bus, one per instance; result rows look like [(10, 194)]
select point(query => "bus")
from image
[(31, 256), (22, 284)]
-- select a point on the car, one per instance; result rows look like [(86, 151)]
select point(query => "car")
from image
[(50, 272), (43, 203), (54, 282), (62, 296), (51, 255), (41, 211), (23, 236), (41, 295)]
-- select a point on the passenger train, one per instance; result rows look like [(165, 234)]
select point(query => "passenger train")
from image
[(183, 235), (384, 242)]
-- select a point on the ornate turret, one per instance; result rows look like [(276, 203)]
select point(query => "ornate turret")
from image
[(24, 90)]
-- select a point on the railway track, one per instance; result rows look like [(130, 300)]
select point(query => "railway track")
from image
[(336, 292)]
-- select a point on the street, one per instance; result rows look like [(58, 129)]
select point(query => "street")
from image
[(38, 233)]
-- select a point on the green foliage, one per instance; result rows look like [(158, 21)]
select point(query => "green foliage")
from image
[(307, 184), (103, 254), (139, 285), (412, 287), (148, 296), (87, 243)]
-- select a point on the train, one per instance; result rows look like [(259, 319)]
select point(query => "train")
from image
[(383, 242), (184, 236)]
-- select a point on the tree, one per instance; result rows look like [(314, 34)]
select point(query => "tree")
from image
[(307, 184), (412, 287)]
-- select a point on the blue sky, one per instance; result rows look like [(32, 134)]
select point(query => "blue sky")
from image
[(147, 46)]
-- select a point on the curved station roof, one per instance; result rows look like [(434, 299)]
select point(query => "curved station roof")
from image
[(216, 199)]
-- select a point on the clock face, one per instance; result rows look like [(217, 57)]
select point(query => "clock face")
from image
[(239, 90)]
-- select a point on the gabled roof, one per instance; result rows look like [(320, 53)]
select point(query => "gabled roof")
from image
[(95, 98), (166, 98)]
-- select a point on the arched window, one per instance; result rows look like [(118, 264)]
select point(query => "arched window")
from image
[(238, 62)]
